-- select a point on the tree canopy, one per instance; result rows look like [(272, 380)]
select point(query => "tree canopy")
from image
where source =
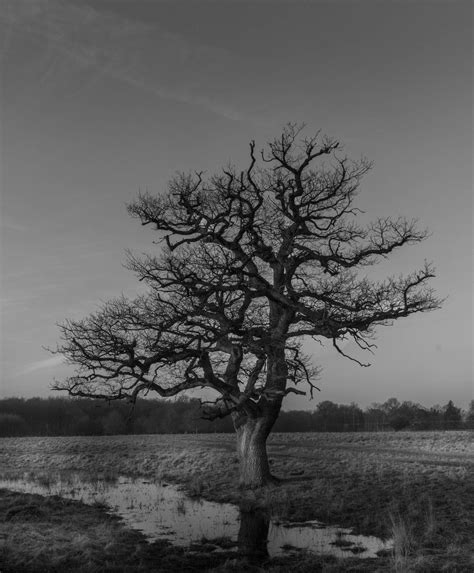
[(251, 262)]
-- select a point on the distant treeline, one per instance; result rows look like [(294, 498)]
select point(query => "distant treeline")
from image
[(81, 416)]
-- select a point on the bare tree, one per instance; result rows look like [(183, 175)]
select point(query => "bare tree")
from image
[(251, 263)]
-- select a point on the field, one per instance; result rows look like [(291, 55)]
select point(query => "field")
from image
[(416, 488)]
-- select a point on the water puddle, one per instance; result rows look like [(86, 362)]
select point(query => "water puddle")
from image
[(163, 511)]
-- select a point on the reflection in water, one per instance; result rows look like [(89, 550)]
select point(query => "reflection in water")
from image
[(253, 533), (162, 511)]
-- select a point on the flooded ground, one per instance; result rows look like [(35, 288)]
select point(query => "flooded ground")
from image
[(163, 511)]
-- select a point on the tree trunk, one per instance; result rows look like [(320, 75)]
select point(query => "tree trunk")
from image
[(252, 434), (253, 430), (252, 452)]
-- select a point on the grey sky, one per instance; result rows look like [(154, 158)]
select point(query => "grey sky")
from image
[(102, 98)]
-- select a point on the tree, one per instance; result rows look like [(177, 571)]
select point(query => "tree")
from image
[(328, 417), (452, 415), (12, 425), (252, 262), (399, 416), (399, 421), (470, 415), (390, 406), (113, 423)]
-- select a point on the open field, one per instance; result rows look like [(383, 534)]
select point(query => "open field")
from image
[(417, 488)]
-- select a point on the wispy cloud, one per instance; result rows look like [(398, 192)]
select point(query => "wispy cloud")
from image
[(47, 363), (141, 54)]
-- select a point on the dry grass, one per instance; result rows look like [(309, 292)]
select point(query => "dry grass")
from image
[(402, 544), (44, 535), (49, 534), (416, 487)]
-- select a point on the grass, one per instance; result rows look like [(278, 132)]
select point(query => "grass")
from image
[(402, 544), (415, 487), (51, 534), (55, 535), (39, 534)]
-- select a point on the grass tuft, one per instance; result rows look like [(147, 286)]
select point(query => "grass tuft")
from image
[(402, 543)]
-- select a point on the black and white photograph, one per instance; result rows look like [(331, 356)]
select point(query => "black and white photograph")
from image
[(236, 279)]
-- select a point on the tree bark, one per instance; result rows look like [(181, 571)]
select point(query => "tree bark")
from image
[(252, 451), (252, 434), (253, 430)]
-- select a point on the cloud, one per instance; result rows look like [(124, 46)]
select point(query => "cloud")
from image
[(140, 54), (46, 363)]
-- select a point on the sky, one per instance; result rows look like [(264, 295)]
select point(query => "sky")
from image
[(102, 99)]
